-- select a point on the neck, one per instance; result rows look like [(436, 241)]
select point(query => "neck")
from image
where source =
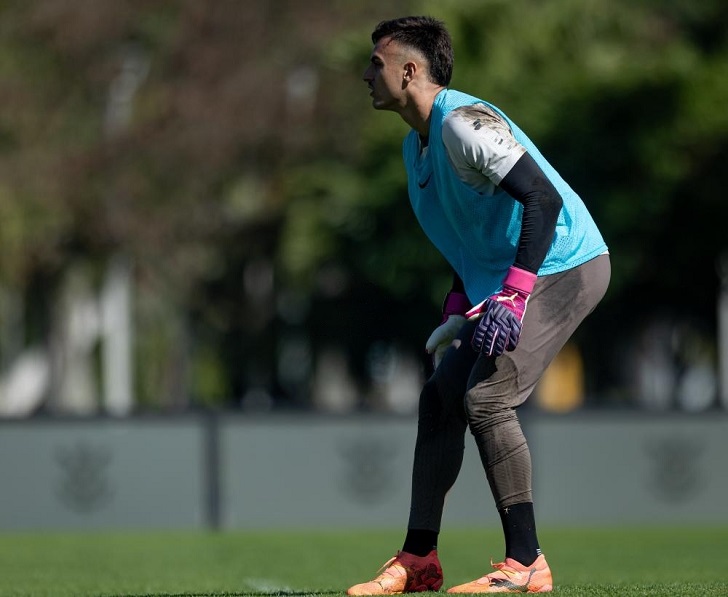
[(417, 113)]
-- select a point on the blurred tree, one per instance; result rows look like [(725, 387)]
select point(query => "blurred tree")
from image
[(262, 200)]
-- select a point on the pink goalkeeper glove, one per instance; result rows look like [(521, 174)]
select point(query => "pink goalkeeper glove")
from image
[(502, 314), (453, 318)]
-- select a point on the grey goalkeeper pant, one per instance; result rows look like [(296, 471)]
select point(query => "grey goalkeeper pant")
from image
[(472, 390)]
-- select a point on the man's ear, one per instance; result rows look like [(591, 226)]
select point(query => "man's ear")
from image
[(410, 68)]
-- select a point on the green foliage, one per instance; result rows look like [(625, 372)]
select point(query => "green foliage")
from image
[(252, 136)]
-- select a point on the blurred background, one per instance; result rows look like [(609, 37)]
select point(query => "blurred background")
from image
[(200, 212)]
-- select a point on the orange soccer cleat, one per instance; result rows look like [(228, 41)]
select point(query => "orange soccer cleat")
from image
[(512, 577), (404, 573)]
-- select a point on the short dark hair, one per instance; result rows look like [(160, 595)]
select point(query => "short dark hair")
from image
[(426, 34)]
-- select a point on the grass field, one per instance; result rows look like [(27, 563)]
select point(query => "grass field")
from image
[(624, 562)]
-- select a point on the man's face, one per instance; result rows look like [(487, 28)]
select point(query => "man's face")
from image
[(384, 76)]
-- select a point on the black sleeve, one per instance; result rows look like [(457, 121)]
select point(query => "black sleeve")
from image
[(457, 284), (528, 184)]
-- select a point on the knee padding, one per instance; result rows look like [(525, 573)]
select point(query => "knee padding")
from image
[(491, 400)]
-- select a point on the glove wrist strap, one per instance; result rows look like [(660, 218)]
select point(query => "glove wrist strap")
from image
[(520, 280), (456, 303)]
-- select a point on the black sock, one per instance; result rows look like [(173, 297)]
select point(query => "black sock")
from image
[(420, 542), (519, 529)]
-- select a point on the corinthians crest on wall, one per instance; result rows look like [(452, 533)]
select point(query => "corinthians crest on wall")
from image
[(84, 485), (369, 468), (676, 467)]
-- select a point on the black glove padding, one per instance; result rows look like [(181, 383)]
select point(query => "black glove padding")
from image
[(498, 330)]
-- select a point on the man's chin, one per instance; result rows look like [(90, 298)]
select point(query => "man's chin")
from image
[(380, 105)]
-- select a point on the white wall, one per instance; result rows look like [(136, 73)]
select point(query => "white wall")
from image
[(309, 471)]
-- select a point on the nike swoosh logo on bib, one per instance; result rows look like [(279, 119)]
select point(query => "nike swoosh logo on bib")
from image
[(422, 185)]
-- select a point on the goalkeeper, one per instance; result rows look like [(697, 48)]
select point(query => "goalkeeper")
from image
[(529, 265)]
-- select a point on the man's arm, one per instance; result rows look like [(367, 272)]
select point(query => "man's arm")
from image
[(485, 154), (457, 284), (454, 307), (528, 185), (500, 327)]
